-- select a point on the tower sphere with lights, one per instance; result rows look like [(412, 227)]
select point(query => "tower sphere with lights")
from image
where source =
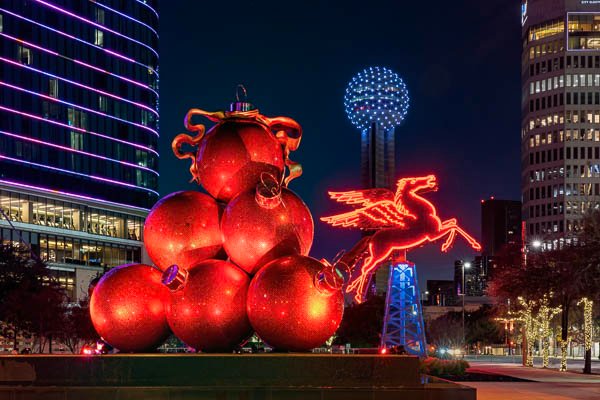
[(376, 95)]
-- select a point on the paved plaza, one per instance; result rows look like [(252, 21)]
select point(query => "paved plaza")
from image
[(546, 384)]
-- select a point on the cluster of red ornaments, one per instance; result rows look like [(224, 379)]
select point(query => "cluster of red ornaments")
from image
[(230, 263)]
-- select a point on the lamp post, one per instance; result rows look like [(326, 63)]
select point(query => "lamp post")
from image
[(465, 265)]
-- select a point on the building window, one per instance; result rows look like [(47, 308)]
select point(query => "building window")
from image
[(102, 103), (100, 16), (76, 141), (25, 55), (1, 23), (98, 37), (53, 88)]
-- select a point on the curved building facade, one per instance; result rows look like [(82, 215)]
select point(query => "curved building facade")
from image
[(78, 130), (560, 130)]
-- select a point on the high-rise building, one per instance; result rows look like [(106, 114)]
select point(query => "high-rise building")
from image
[(500, 225), (560, 132), (376, 102), (78, 131)]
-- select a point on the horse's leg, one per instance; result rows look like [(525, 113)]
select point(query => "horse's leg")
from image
[(449, 240), (451, 223), (364, 269)]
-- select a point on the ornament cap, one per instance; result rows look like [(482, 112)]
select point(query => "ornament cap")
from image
[(241, 104), (331, 278), (268, 192), (174, 278)]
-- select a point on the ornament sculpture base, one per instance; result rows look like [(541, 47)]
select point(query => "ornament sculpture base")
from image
[(263, 376)]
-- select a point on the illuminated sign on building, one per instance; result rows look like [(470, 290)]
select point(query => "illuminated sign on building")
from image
[(523, 13)]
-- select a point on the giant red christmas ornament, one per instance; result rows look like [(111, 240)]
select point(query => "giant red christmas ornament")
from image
[(264, 224), (128, 308), (244, 144), (207, 309), (183, 229), (294, 304)]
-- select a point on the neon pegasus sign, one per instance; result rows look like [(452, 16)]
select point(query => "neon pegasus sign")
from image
[(401, 221)]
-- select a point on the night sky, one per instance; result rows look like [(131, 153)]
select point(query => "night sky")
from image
[(459, 60)]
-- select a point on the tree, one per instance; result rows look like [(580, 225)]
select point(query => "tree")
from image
[(77, 327), (446, 331), (566, 274), (362, 323), (32, 299)]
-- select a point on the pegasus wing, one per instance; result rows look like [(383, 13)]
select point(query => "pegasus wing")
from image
[(363, 197), (383, 214)]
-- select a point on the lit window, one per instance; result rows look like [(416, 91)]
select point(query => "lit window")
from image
[(53, 88), (102, 103), (568, 80), (531, 88), (1, 23), (537, 87), (98, 37), (561, 81), (76, 140), (25, 55), (597, 80)]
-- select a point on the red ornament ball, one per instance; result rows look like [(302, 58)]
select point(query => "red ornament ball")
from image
[(258, 228), (183, 229), (128, 308), (289, 308), (233, 155), (207, 308)]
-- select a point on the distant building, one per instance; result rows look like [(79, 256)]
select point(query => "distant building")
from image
[(78, 132), (560, 127), (440, 293), (500, 225)]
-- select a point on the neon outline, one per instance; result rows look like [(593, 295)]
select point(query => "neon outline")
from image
[(82, 41), (147, 5), (79, 84), (80, 196), (37, 117), (71, 14), (78, 151), (54, 99), (125, 15), (78, 173), (415, 224), (29, 44)]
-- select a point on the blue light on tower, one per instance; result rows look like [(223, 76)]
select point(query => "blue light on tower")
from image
[(376, 95), (376, 102)]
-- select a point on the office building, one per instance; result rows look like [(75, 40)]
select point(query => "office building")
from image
[(500, 225), (560, 131), (78, 131)]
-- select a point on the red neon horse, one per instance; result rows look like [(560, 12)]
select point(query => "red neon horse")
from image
[(402, 221)]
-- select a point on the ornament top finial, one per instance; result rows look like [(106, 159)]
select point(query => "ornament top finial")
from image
[(241, 104)]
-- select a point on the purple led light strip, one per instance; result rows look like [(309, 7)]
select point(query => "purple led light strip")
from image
[(81, 40), (79, 85), (76, 106), (79, 196), (74, 128), (77, 151), (29, 44), (99, 178), (124, 15), (147, 5), (66, 12)]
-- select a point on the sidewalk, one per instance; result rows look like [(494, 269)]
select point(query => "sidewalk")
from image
[(547, 384)]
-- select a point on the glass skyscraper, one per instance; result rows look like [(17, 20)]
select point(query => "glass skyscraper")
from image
[(78, 130), (560, 132)]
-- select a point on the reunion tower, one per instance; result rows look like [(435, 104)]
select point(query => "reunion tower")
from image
[(376, 102)]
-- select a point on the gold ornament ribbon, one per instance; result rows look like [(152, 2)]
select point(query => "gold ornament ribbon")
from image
[(287, 131)]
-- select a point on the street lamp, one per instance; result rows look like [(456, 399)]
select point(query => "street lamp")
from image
[(536, 244), (465, 265)]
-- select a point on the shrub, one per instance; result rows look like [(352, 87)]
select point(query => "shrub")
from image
[(441, 368)]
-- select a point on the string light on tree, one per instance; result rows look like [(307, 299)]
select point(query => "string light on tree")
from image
[(544, 316), (587, 321), (530, 327)]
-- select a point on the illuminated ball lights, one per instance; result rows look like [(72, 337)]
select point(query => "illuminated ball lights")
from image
[(183, 229), (207, 308), (128, 308), (376, 95)]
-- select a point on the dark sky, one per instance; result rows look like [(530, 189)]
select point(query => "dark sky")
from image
[(459, 60)]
